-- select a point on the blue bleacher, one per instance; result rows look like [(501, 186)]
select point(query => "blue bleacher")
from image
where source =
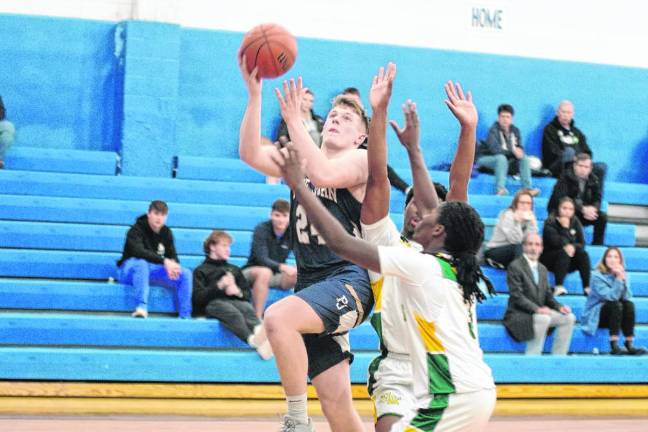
[(74, 364), (62, 161), (233, 170), (110, 238), (101, 265), (62, 232), (58, 329), (124, 212)]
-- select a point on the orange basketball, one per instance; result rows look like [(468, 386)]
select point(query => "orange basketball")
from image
[(270, 48)]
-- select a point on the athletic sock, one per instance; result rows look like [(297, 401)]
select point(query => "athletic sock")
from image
[(297, 408)]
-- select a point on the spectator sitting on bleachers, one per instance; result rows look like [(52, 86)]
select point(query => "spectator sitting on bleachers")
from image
[(512, 225), (562, 141), (581, 184), (150, 258), (608, 304), (314, 123), (503, 152), (564, 246), (7, 132), (266, 266), (394, 179), (532, 309), (222, 292)]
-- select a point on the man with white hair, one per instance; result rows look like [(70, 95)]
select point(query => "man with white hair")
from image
[(562, 141)]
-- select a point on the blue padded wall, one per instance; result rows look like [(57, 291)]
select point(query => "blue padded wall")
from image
[(63, 89), (57, 81), (609, 100), (150, 98)]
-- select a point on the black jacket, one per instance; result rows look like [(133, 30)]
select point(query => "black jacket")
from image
[(555, 236), (525, 297), (567, 185), (554, 137), (142, 242), (267, 250), (205, 278)]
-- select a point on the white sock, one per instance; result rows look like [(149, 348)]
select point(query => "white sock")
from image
[(297, 408)]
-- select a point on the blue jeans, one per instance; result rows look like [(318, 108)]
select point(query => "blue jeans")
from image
[(141, 274), (500, 164)]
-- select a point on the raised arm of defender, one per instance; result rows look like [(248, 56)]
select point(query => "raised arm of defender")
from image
[(376, 203), (464, 110)]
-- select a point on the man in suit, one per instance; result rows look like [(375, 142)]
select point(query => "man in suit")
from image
[(532, 309)]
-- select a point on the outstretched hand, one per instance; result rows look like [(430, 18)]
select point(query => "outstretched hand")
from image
[(292, 167), (461, 105), (409, 136), (251, 79), (291, 99), (381, 87)]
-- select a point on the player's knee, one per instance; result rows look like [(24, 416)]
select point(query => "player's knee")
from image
[(336, 398), (273, 320)]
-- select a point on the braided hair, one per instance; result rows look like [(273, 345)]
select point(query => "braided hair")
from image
[(464, 236)]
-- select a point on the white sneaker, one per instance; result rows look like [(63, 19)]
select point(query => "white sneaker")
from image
[(290, 425), (140, 313), (559, 290), (259, 341), (265, 350), (258, 337)]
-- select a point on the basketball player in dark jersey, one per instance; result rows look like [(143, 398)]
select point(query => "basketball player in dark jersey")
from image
[(308, 331)]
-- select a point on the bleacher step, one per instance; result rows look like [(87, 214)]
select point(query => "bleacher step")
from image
[(63, 160), (65, 329), (78, 364)]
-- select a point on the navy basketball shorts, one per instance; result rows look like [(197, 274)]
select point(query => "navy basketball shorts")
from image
[(343, 300)]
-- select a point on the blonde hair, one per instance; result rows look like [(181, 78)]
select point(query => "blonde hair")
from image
[(216, 237), (354, 105)]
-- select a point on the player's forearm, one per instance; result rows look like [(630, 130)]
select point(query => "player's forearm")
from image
[(376, 202), (377, 148), (462, 164), (250, 133), (426, 196)]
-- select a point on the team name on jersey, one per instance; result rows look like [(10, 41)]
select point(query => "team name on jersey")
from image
[(328, 193)]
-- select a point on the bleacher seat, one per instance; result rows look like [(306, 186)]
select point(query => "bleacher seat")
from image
[(62, 232), (57, 329), (62, 161), (132, 365)]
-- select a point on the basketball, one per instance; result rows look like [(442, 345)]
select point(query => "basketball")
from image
[(269, 47)]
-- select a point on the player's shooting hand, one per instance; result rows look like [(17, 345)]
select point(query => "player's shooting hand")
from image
[(409, 136), (251, 79), (461, 105)]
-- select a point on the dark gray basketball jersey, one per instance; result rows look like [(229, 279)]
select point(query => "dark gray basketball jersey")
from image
[(315, 261)]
